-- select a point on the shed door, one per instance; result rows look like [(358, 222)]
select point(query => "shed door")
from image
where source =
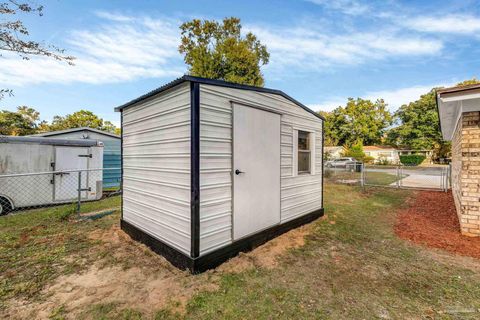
[(256, 153), (66, 184)]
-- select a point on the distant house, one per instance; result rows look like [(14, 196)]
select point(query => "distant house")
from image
[(382, 153), (333, 152), (111, 151), (378, 153)]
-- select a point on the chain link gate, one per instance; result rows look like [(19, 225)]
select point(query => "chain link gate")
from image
[(398, 176)]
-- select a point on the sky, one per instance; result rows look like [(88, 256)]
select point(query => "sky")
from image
[(321, 51)]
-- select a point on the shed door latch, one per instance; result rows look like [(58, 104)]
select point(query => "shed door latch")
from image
[(85, 155)]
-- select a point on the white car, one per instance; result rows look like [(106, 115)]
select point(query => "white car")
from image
[(340, 162)]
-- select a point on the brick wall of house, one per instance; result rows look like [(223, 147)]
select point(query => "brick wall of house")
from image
[(466, 172), (457, 168)]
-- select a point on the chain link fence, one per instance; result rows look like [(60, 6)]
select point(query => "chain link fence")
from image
[(81, 192), (349, 174), (393, 176), (72, 189), (428, 178)]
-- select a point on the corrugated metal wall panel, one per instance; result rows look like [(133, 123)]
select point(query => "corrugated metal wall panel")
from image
[(112, 177), (156, 167), (300, 194)]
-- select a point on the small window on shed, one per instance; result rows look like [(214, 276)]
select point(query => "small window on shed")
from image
[(304, 152)]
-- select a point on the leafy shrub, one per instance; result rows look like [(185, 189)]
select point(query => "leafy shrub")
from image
[(384, 162), (412, 159), (368, 159), (327, 155), (355, 151)]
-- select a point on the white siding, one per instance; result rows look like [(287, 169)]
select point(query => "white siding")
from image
[(299, 194), (156, 162)]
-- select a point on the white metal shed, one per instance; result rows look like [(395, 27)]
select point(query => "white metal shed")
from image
[(212, 168)]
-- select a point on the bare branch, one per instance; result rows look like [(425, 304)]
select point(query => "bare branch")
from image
[(13, 33), (5, 92)]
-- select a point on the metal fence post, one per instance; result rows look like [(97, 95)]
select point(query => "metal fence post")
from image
[(79, 200), (398, 176), (442, 180), (446, 178), (362, 175), (449, 176)]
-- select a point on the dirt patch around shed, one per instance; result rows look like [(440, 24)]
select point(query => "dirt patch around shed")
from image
[(131, 276), (266, 255), (431, 220)]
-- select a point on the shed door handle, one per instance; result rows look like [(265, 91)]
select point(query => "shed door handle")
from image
[(237, 172)]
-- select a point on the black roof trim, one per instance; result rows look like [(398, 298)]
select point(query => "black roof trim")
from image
[(220, 83)]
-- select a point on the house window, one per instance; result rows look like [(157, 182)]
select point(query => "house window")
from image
[(304, 152)]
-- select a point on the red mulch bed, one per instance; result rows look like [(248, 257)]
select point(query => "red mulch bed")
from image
[(431, 220)]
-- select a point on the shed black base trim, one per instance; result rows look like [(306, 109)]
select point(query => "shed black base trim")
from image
[(176, 257), (217, 257)]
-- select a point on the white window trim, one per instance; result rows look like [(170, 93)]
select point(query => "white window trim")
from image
[(295, 151)]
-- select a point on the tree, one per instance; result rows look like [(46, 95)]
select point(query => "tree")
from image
[(329, 137), (28, 113), (355, 151), (13, 36), (219, 51), (360, 120), (23, 122), (82, 118), (468, 82), (26, 120), (418, 126)]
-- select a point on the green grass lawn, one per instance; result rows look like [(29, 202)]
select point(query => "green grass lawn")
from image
[(373, 178), (352, 266), (381, 178)]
